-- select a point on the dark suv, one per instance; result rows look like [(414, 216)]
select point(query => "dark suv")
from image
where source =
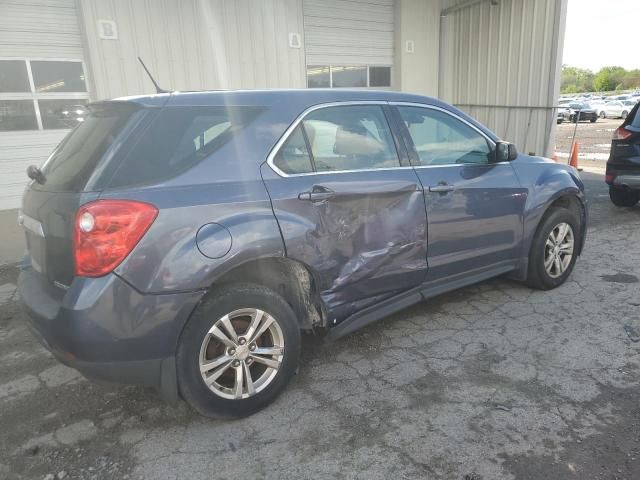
[(623, 166), (185, 240)]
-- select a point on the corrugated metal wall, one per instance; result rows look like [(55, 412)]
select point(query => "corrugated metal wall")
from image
[(18, 150), (501, 63), (39, 28), (195, 44), (33, 29), (353, 32)]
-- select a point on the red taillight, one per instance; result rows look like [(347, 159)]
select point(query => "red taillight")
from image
[(609, 178), (105, 232), (621, 133)]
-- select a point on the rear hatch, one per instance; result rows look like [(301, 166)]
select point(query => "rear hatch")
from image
[(625, 145), (72, 176)]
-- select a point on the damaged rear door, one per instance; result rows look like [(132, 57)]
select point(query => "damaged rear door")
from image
[(349, 206)]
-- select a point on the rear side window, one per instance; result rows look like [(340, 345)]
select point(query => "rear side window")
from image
[(177, 139), (353, 137), (293, 157), (74, 160)]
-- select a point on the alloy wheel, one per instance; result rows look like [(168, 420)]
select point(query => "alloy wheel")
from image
[(558, 250), (241, 353)]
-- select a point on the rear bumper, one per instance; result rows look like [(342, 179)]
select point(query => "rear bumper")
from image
[(629, 181), (106, 329), (624, 176)]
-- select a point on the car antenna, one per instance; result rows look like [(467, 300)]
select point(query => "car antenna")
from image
[(158, 88)]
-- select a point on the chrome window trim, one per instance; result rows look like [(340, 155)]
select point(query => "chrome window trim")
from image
[(451, 114), (285, 136), (287, 133)]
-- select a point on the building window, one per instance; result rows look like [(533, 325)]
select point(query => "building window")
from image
[(51, 76), (348, 76), (379, 76), (42, 94), (13, 76), (17, 115), (318, 77)]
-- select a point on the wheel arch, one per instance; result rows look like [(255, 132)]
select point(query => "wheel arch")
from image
[(289, 278), (570, 199)]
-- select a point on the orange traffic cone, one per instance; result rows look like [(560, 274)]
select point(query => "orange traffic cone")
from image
[(573, 157)]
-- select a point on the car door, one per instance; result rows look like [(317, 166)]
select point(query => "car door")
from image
[(347, 208), (613, 109), (474, 207)]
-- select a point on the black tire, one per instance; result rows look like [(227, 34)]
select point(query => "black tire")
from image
[(593, 120), (537, 276), (603, 115), (624, 114), (623, 197), (222, 302)]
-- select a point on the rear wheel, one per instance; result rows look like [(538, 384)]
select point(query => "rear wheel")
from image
[(603, 115), (238, 351), (593, 120), (553, 250), (623, 197), (624, 114)]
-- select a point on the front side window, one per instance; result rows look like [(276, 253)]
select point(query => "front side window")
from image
[(441, 139)]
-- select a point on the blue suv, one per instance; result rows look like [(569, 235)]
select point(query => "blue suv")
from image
[(184, 240)]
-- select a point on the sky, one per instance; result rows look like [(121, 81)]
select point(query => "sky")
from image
[(602, 33)]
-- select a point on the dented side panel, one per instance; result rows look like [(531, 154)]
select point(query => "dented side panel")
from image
[(364, 244)]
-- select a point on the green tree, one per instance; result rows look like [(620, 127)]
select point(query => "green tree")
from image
[(608, 78), (574, 80), (631, 79)]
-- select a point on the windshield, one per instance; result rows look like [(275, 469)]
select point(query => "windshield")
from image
[(74, 160)]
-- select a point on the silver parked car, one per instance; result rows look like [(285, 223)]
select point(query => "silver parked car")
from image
[(617, 109)]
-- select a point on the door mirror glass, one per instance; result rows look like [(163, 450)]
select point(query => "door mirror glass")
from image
[(505, 152)]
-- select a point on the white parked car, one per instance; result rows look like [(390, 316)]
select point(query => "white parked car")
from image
[(617, 109)]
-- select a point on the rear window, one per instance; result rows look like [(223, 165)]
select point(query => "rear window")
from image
[(74, 160), (177, 139), (634, 118)]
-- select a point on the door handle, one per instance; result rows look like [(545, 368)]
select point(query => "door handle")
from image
[(317, 195), (442, 188)]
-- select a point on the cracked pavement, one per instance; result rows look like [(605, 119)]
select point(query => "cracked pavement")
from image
[(491, 382)]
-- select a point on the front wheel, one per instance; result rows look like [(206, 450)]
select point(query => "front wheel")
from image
[(624, 114), (238, 351), (603, 115), (593, 120), (623, 197), (553, 250)]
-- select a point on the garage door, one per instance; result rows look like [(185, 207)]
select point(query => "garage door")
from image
[(348, 43), (42, 86)]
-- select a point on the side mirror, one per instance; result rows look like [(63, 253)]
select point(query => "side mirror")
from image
[(505, 152)]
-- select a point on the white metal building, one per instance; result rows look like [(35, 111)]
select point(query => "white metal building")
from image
[(497, 59)]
